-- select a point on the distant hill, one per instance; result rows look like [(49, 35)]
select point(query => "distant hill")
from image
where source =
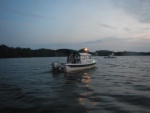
[(10, 52), (124, 53)]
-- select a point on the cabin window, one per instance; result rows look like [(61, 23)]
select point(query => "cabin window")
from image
[(89, 56), (82, 57)]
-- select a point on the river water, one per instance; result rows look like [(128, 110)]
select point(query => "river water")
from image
[(119, 85)]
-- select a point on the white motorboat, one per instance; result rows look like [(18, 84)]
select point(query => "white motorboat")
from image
[(75, 62), (110, 56)]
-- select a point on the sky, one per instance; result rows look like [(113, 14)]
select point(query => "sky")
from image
[(116, 25)]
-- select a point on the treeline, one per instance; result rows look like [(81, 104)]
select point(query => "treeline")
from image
[(10, 52), (124, 53)]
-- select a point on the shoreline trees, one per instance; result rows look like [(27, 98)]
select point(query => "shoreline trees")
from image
[(18, 52)]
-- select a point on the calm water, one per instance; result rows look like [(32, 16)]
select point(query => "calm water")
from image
[(120, 85)]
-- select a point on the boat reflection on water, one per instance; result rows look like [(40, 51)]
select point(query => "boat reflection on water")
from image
[(77, 85), (86, 78), (85, 97), (80, 76)]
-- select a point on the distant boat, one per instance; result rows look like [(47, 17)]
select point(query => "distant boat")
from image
[(110, 56), (75, 62)]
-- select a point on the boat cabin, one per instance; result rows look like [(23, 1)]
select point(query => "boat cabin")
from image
[(82, 58), (78, 60)]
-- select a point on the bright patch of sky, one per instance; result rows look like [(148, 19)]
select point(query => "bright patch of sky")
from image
[(117, 25)]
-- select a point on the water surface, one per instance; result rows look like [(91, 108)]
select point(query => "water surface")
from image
[(118, 85)]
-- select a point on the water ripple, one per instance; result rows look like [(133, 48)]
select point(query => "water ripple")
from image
[(115, 85)]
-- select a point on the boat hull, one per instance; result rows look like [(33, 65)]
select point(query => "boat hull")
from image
[(76, 67)]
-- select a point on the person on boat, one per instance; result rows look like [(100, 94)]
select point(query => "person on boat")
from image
[(69, 58), (78, 59), (74, 58)]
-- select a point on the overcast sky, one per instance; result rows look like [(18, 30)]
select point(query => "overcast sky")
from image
[(117, 25)]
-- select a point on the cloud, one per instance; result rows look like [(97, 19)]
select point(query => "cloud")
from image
[(94, 41), (106, 40), (138, 9), (75, 45), (107, 26), (127, 29), (145, 29), (25, 13), (119, 44)]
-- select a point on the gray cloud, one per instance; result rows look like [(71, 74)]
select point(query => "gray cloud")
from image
[(24, 13), (140, 9), (106, 39), (107, 26), (94, 42), (120, 44), (145, 29), (127, 29), (75, 45)]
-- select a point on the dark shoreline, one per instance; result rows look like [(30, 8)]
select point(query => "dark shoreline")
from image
[(18, 52)]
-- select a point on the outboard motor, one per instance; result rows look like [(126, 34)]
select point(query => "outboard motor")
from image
[(57, 67)]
